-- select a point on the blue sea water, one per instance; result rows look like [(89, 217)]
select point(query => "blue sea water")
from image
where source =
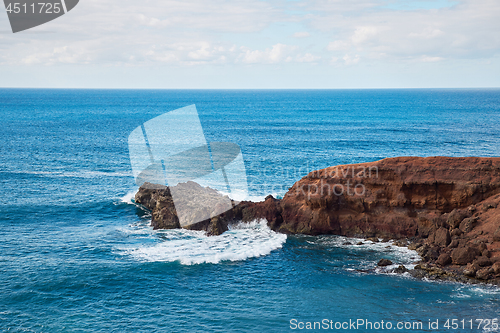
[(76, 255)]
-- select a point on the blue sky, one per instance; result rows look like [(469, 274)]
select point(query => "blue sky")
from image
[(258, 44)]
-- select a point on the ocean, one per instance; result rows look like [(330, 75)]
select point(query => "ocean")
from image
[(77, 255)]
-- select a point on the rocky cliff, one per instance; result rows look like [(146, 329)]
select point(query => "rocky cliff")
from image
[(448, 209)]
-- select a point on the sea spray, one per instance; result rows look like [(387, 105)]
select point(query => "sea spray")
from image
[(242, 241)]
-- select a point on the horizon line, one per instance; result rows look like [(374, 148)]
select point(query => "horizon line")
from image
[(262, 89)]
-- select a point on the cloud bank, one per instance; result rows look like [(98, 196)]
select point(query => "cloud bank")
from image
[(328, 34)]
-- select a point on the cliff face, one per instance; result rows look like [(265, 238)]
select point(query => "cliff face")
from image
[(395, 197), (449, 208)]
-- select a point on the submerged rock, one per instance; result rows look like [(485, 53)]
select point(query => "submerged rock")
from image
[(384, 262)]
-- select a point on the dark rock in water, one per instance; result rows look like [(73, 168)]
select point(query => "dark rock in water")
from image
[(384, 262), (347, 243), (400, 243), (400, 269), (158, 199), (216, 226), (359, 243)]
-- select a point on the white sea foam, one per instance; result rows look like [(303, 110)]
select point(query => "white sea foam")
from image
[(242, 241), (127, 198), (402, 255), (466, 291)]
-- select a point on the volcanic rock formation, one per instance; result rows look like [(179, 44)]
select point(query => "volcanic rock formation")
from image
[(448, 209)]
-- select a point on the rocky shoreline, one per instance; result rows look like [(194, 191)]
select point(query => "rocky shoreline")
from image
[(447, 209)]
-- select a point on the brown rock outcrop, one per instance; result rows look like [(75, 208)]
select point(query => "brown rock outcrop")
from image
[(394, 197), (448, 207)]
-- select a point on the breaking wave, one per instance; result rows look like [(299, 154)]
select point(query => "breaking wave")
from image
[(242, 241)]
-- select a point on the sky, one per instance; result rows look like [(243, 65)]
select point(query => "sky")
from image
[(251, 44)]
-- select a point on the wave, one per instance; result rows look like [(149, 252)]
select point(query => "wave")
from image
[(127, 198), (399, 255), (241, 242), (468, 291)]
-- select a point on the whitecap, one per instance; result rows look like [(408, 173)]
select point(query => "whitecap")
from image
[(241, 242), (402, 255), (127, 198)]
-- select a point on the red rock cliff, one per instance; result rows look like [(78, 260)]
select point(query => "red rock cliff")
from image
[(394, 197), (448, 208)]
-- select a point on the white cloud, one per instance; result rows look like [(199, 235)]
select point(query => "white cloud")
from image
[(277, 53), (301, 34), (431, 59), (363, 34), (308, 57), (327, 34), (351, 60), (467, 30), (338, 45)]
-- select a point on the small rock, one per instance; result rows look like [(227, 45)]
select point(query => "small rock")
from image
[(347, 243), (482, 246), (373, 239), (454, 218), (454, 244), (496, 267), (400, 243), (401, 269), (444, 259), (456, 232), (384, 262), (488, 206), (470, 270), (360, 243), (463, 255), (468, 224), (413, 246), (496, 235), (484, 273), (422, 249), (418, 272), (483, 261), (216, 227), (432, 253), (442, 237)]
